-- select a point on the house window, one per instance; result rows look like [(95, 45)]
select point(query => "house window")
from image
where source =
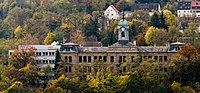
[(165, 58), (132, 58), (84, 58), (70, 59), (53, 53), (95, 58), (100, 58), (89, 59), (104, 58), (112, 59), (160, 58), (120, 59), (124, 58), (156, 58), (80, 59), (70, 69)]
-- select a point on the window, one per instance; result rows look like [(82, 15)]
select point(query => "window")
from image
[(89, 59), (165, 58), (50, 54), (70, 59), (70, 69), (84, 58), (160, 58), (124, 58), (104, 58), (95, 58), (80, 59), (53, 53), (156, 58), (112, 59), (149, 57), (132, 58), (100, 58), (120, 59), (123, 34)]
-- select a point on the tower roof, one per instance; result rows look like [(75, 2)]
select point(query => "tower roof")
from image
[(123, 23)]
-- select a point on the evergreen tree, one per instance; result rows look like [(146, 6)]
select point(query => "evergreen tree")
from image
[(162, 21), (155, 20)]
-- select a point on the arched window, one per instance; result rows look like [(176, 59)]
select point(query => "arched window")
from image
[(123, 34)]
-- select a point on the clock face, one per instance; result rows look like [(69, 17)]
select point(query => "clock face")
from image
[(123, 29)]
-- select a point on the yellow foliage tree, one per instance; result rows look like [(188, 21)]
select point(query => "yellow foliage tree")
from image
[(171, 19), (77, 37), (49, 39), (18, 32), (150, 35)]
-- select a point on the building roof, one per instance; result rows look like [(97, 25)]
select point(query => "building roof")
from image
[(145, 6), (70, 44), (153, 48), (123, 23), (40, 47), (115, 9)]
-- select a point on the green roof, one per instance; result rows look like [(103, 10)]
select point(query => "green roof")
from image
[(123, 23)]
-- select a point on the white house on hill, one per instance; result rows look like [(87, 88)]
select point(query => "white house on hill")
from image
[(111, 13)]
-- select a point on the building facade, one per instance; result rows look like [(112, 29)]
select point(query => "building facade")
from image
[(188, 9), (82, 59), (149, 7)]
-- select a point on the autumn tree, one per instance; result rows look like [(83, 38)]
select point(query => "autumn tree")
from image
[(77, 37), (21, 57), (49, 39), (150, 35), (188, 52)]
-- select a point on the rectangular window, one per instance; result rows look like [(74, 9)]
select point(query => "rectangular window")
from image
[(70, 59), (149, 57), (112, 59), (100, 58), (160, 58), (39, 54), (120, 59), (165, 58), (104, 58), (124, 58), (53, 53), (156, 58), (70, 69), (80, 59), (84, 58), (89, 59), (95, 58), (49, 61), (132, 58), (50, 54), (53, 61)]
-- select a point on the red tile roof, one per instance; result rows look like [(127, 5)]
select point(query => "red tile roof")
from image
[(114, 8)]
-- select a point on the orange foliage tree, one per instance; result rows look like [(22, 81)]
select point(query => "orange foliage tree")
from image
[(187, 51)]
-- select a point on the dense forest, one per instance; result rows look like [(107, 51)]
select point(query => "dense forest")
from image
[(44, 21)]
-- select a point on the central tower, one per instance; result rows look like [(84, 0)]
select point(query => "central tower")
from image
[(123, 32)]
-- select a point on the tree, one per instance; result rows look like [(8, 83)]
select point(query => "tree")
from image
[(77, 37), (18, 32), (150, 35), (170, 19), (49, 39), (162, 21), (188, 52), (23, 56), (155, 20)]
